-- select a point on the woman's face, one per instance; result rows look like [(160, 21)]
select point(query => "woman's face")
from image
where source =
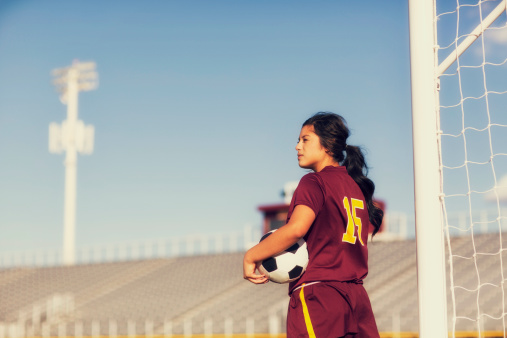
[(311, 154)]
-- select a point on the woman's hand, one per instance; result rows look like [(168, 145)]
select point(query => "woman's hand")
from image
[(249, 268)]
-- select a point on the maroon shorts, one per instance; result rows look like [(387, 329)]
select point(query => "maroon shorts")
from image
[(331, 310)]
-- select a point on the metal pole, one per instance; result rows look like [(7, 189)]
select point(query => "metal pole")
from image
[(69, 227), (72, 136), (429, 230)]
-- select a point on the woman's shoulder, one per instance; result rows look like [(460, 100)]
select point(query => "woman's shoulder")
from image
[(312, 179)]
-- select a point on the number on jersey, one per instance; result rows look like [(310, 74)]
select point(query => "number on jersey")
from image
[(353, 221)]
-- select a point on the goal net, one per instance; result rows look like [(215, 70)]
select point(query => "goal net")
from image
[(469, 100), (472, 110)]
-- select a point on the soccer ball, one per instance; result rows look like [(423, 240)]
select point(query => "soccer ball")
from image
[(286, 266)]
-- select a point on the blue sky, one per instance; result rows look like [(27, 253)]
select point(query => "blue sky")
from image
[(197, 112)]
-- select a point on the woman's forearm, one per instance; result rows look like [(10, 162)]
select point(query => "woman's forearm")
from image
[(300, 222), (275, 243)]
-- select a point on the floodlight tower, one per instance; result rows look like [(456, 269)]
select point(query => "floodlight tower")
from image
[(72, 136)]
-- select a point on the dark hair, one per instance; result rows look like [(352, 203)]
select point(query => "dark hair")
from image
[(333, 133)]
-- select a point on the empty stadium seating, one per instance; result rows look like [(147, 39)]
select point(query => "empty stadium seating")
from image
[(208, 294)]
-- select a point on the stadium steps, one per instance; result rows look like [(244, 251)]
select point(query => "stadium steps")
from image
[(488, 294), (13, 275), (168, 291), (8, 280), (391, 283), (210, 302), (201, 287), (393, 257), (391, 298), (242, 302), (467, 275), (113, 282), (39, 285)]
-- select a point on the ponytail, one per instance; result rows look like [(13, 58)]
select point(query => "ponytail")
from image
[(357, 169), (333, 133)]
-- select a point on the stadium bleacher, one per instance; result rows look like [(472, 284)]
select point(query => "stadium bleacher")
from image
[(207, 293)]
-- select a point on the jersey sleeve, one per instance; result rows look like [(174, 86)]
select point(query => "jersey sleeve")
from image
[(310, 192)]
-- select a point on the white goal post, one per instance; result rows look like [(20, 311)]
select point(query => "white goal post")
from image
[(429, 226), (428, 166)]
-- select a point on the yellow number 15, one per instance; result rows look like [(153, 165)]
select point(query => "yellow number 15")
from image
[(353, 221)]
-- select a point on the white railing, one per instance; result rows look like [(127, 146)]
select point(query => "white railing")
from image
[(480, 222), (399, 226), (54, 317), (52, 309), (190, 245), (227, 327)]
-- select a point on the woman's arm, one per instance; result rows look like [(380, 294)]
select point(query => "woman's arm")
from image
[(300, 221)]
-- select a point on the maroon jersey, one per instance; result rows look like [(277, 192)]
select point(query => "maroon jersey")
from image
[(337, 239)]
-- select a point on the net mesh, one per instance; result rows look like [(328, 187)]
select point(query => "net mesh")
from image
[(473, 158)]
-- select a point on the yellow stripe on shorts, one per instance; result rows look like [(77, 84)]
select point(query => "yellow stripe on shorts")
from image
[(308, 322)]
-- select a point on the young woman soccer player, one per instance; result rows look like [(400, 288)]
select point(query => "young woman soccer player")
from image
[(332, 208)]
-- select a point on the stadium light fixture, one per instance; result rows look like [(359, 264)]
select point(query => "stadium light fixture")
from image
[(72, 136)]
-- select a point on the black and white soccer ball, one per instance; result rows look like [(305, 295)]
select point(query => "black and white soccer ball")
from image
[(286, 266)]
